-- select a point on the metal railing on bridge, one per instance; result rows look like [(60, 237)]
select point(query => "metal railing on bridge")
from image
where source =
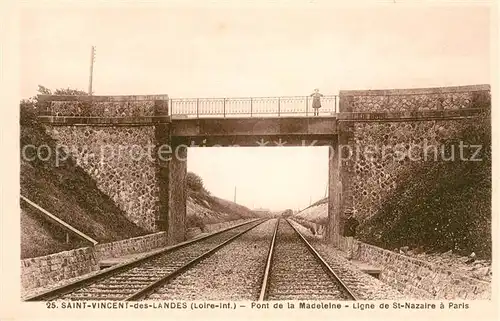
[(95, 106), (251, 107)]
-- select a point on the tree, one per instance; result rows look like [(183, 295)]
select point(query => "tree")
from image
[(28, 110), (70, 92), (287, 213), (195, 182), (28, 107), (42, 90)]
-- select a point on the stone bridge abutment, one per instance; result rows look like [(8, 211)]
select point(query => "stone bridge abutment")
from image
[(136, 152)]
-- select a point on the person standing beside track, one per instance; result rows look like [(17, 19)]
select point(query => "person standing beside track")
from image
[(350, 225)]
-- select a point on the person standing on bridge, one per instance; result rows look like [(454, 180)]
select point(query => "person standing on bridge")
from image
[(316, 105)]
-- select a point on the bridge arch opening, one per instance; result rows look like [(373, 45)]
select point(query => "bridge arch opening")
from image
[(309, 157)]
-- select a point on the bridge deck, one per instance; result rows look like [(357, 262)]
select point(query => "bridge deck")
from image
[(298, 126)]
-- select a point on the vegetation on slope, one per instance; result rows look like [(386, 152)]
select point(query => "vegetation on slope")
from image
[(316, 213), (444, 205), (64, 190), (39, 237), (203, 208)]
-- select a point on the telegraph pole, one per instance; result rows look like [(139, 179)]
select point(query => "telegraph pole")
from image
[(92, 59), (234, 194)]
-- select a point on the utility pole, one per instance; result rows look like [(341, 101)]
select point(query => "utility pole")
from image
[(234, 194), (92, 59)]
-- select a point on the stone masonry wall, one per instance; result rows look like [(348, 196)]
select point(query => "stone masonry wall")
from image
[(177, 196), (120, 153), (103, 106), (120, 160), (416, 278), (45, 270), (446, 98), (130, 246), (374, 176), (386, 152)]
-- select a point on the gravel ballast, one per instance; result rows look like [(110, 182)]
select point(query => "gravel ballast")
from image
[(234, 272), (363, 285), (296, 274)]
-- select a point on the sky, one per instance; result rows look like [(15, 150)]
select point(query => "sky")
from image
[(220, 51), (274, 178)]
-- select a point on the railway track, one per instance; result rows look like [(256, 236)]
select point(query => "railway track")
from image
[(136, 279), (296, 271)]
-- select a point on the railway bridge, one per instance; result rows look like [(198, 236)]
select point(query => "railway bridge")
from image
[(135, 147)]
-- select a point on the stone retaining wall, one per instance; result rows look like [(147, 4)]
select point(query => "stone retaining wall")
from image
[(103, 106), (45, 270), (416, 278), (130, 246), (441, 98), (375, 176), (121, 161), (383, 154), (122, 158)]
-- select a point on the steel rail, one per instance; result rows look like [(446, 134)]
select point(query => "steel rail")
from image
[(164, 279), (325, 265), (54, 293), (265, 279)]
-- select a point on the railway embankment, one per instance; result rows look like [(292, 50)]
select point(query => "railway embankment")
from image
[(41, 273), (60, 187), (67, 192), (413, 274), (256, 260)]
